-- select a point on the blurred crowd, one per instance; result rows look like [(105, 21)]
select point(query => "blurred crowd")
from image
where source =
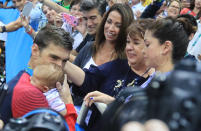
[(107, 56)]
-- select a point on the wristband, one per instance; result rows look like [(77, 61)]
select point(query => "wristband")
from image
[(3, 28), (29, 30)]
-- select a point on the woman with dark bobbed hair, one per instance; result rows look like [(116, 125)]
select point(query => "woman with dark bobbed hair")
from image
[(166, 43)]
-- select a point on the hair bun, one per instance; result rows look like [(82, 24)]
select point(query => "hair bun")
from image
[(188, 27)]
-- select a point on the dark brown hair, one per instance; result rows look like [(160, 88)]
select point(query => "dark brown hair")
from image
[(52, 34), (74, 2), (138, 28), (174, 30), (127, 18)]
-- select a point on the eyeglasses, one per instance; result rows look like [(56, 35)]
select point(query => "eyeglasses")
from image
[(175, 7)]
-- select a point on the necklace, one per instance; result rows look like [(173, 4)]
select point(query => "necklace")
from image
[(135, 81), (122, 83)]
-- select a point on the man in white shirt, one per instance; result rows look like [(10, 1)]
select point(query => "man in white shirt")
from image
[(137, 8)]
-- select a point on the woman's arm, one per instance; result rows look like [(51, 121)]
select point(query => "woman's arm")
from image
[(151, 9), (54, 6), (75, 74)]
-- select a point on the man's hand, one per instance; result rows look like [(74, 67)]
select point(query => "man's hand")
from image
[(64, 91), (24, 21)]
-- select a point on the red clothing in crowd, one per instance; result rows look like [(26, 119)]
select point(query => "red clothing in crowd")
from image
[(188, 11), (27, 97)]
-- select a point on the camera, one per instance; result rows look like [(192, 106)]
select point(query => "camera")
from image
[(38, 120), (173, 97), (176, 99)]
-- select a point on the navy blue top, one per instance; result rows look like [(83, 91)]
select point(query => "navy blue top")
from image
[(110, 78), (5, 109)]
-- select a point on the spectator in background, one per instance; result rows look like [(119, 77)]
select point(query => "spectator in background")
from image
[(186, 3), (4, 5), (36, 16), (78, 32), (169, 49), (112, 2), (166, 41), (194, 9), (134, 52), (110, 40), (66, 4), (49, 13), (1, 4), (194, 47), (173, 9), (3, 38), (170, 36), (93, 11), (137, 7)]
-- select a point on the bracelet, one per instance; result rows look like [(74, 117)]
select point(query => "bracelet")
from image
[(3, 28), (30, 32)]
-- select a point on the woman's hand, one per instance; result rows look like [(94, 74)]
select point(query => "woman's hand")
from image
[(58, 20), (1, 124), (97, 96), (82, 26)]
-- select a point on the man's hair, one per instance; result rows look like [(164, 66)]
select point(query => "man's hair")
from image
[(52, 34), (175, 30), (74, 2), (100, 5), (49, 74)]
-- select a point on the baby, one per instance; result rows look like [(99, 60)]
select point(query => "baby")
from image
[(45, 78)]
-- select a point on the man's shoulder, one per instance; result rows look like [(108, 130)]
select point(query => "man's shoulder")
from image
[(26, 97), (24, 86), (15, 79)]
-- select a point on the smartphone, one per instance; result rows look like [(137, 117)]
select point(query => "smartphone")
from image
[(72, 20), (27, 8)]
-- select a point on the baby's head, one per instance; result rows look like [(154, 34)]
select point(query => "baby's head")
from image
[(47, 75)]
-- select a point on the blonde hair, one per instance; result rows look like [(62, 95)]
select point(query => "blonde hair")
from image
[(120, 1), (48, 74), (112, 2)]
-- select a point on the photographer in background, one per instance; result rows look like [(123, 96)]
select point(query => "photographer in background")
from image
[(3, 38)]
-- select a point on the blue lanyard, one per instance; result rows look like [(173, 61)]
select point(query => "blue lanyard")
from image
[(29, 70), (144, 85)]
